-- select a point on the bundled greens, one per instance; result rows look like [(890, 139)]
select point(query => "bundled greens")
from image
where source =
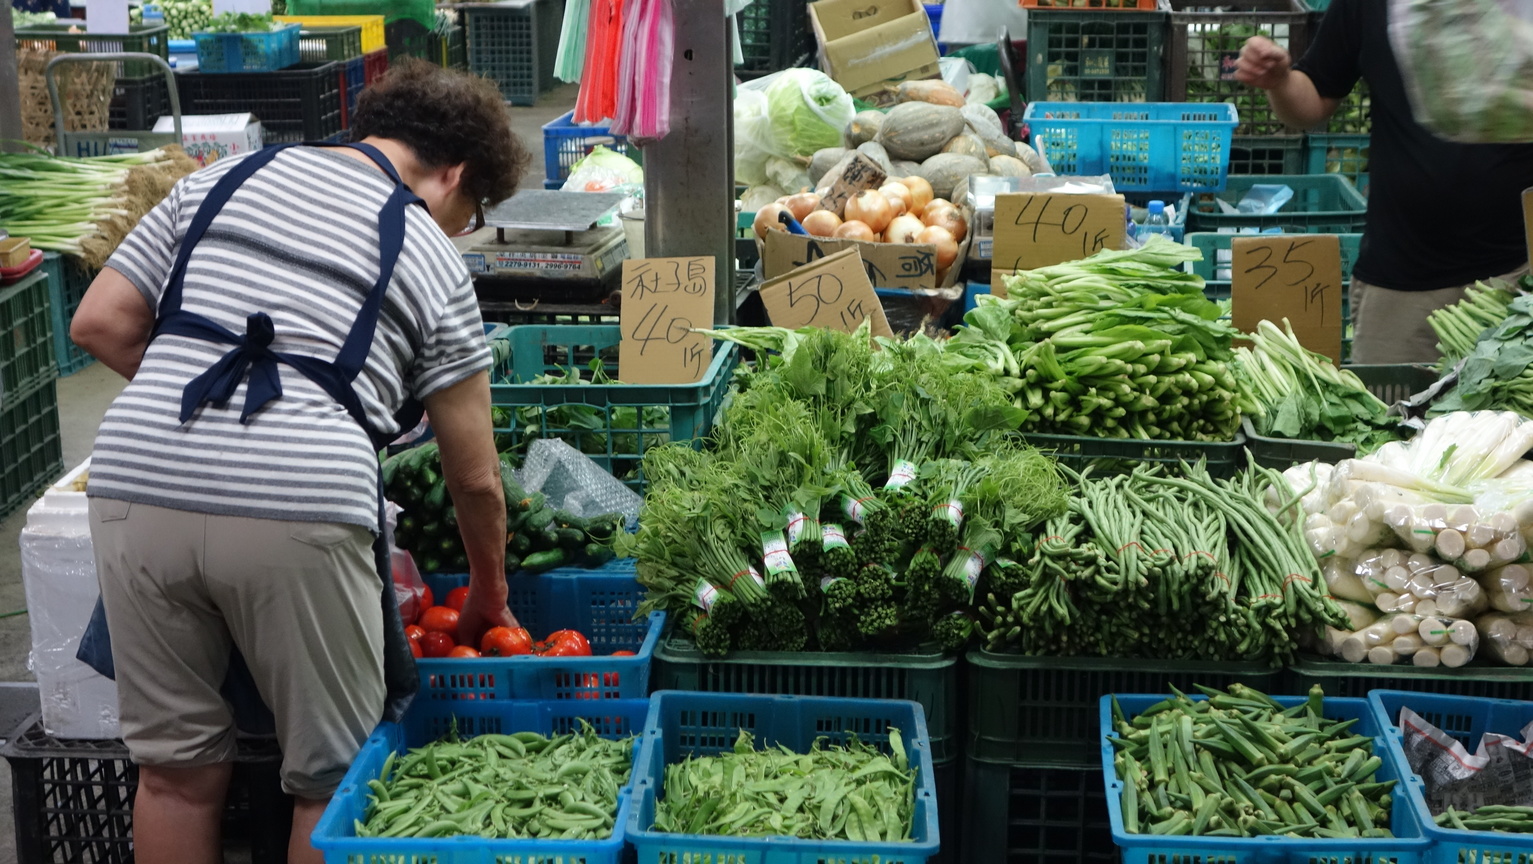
[(1119, 345), (1458, 327), (1497, 374), (183, 17), (241, 22)]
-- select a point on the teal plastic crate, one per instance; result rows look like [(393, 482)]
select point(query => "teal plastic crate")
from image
[(1267, 154), (634, 417), (1321, 204), (26, 349), (270, 51), (1467, 720), (1477, 680), (1039, 815), (1409, 845), (1347, 155), (1152, 147), (702, 724), (145, 38), (323, 44), (67, 283), (335, 835)]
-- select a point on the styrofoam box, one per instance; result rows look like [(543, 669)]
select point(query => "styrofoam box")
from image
[(58, 572)]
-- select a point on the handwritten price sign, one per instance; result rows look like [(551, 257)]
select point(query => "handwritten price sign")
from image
[(832, 292), (1040, 229), (1297, 277), (663, 300)]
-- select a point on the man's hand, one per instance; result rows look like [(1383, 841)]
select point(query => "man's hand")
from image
[(481, 612), (1263, 63)]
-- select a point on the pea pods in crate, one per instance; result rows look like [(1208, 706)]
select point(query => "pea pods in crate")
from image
[(427, 721), (598, 603), (682, 724), (1408, 846)]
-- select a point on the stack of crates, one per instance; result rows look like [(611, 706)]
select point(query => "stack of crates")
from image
[(140, 94), (1097, 53), (774, 35), (342, 46), (31, 452), (513, 43)]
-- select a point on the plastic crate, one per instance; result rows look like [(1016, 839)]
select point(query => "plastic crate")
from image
[(1041, 710), (26, 337), (681, 725), (294, 105), (774, 35), (1359, 679), (1321, 204), (930, 679), (1318, 5), (1033, 814), (1076, 55), (1409, 845), (1178, 200), (335, 835), (448, 49), (1272, 154), (1206, 38), (138, 102), (1346, 155), (422, 12), (374, 65), (320, 44), (409, 39), (351, 78), (1223, 458), (373, 38), (599, 603), (1154, 147), (620, 444), (566, 142), (1389, 382), (31, 449), (67, 282), (514, 46), (1466, 720), (140, 39), (247, 52)]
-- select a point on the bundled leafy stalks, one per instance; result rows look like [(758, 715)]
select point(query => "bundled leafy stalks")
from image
[(1239, 764), (1119, 345), (1458, 327), (1497, 373), (1300, 395), (1155, 564), (833, 792)]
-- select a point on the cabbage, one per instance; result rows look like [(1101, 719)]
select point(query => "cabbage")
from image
[(807, 112)]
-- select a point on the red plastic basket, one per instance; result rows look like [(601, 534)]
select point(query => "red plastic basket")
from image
[(374, 65)]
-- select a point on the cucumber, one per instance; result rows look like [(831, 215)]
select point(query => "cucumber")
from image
[(595, 554), (520, 543), (571, 538), (541, 561), (539, 519), (570, 520), (513, 562)]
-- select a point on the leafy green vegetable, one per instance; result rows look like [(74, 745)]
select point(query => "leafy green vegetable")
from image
[(1498, 373)]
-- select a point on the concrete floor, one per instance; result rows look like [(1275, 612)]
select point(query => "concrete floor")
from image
[(84, 398)]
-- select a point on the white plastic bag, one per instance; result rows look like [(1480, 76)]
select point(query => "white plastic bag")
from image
[(1467, 67), (789, 115)]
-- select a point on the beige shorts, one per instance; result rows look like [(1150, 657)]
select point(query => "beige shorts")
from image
[(300, 599), (1391, 326)]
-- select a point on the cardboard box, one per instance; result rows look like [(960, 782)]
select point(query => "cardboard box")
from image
[(868, 45), (899, 266), (210, 137), (14, 252)]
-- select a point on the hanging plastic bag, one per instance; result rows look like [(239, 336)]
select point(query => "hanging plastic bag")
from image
[(1467, 67), (644, 70), (570, 58)]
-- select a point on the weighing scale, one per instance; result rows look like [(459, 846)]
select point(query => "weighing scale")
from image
[(546, 245)]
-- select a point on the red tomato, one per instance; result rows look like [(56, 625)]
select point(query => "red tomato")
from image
[(435, 644), (590, 687), (505, 642), (426, 598), (415, 632), (456, 598), (440, 619), (622, 654), (566, 643), (416, 650), (461, 652)]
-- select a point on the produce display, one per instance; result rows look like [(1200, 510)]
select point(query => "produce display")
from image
[(1492, 817), (241, 22), (587, 428), (1239, 764), (1497, 373), (1458, 327), (435, 635), (1299, 394), (508, 787), (833, 792), (183, 17), (1119, 345)]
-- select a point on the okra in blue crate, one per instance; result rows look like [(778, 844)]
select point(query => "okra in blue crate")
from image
[(760, 779), (1468, 767), (1239, 776), (489, 783)]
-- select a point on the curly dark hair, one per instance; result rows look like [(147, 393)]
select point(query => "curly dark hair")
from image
[(446, 117)]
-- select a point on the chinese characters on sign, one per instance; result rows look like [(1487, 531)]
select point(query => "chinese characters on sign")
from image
[(1295, 276), (664, 301)]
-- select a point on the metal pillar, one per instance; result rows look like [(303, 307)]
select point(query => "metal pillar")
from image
[(10, 87), (689, 175)]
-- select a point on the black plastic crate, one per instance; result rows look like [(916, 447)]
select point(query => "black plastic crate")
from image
[(408, 38), (1095, 56), (138, 102), (323, 44), (514, 46), (1275, 154), (301, 103), (1037, 815), (1205, 40), (774, 35)]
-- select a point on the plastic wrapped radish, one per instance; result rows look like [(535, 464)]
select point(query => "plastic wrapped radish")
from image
[(1342, 580), (1309, 481), (1507, 588), (1506, 637)]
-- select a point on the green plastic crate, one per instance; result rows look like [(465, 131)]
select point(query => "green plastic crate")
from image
[(1096, 56), (1223, 458), (1042, 710), (140, 39), (1389, 382), (1204, 40), (322, 44), (623, 438), (931, 679), (67, 283), (1015, 813), (1321, 204), (514, 46), (1355, 680), (31, 449), (26, 337), (1346, 155), (1270, 154)]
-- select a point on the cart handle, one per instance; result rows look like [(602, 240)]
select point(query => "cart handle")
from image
[(116, 56)]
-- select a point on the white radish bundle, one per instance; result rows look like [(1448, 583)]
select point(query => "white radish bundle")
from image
[(1421, 640), (1506, 637), (1507, 588), (1461, 535)]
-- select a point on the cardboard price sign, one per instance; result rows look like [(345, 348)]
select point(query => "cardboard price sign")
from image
[(888, 265), (1040, 229), (833, 292), (852, 174), (663, 300), (1295, 276)]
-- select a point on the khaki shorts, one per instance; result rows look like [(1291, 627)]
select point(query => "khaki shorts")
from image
[(1391, 326), (300, 599)]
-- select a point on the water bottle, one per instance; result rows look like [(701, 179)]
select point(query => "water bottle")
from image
[(1156, 222)]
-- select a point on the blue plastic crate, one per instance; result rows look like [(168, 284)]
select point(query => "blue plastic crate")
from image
[(248, 52), (934, 13), (353, 78), (566, 142), (335, 835), (683, 724), (1465, 718), (1145, 147), (1409, 846), (599, 603)]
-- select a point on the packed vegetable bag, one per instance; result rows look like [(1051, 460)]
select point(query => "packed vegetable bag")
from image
[(1467, 67)]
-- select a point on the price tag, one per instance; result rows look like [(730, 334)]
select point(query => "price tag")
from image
[(833, 292), (1293, 276), (663, 300), (851, 175), (1040, 229)]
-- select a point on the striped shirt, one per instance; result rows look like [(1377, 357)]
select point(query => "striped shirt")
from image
[(299, 241)]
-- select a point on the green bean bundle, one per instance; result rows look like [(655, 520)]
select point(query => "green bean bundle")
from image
[(1506, 819)]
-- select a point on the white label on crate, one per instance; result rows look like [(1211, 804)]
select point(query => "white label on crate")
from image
[(903, 473), (538, 261), (834, 537), (705, 596)]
